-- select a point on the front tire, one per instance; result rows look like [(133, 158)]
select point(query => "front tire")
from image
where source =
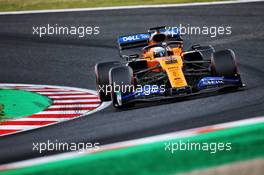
[(102, 79), (121, 80), (224, 64)]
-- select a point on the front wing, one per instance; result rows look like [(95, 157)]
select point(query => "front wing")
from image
[(205, 86)]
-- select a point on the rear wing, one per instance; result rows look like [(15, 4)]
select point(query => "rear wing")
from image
[(141, 39)]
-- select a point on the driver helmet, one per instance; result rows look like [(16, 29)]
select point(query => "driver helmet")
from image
[(159, 52)]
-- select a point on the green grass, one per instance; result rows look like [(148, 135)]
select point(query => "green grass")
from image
[(18, 103), (1, 111), (18, 5), (152, 159)]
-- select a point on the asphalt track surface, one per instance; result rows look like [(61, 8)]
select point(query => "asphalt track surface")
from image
[(69, 61)]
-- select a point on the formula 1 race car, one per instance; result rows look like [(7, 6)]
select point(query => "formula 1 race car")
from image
[(162, 70)]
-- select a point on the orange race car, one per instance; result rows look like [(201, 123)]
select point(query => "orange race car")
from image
[(161, 69)]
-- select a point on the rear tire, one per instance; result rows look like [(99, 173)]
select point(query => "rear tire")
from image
[(223, 63), (102, 79), (121, 77)]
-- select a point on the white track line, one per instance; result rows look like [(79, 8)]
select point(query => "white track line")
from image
[(74, 106), (43, 90), (78, 111), (39, 119), (191, 132), (51, 86), (146, 140), (61, 92), (128, 7), (73, 96), (18, 127), (76, 101)]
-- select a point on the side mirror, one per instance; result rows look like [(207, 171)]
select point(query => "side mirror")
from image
[(134, 56), (130, 57)]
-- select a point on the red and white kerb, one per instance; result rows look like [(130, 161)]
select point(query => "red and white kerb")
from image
[(68, 103)]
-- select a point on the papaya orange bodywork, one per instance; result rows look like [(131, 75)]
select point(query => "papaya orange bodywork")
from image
[(172, 65)]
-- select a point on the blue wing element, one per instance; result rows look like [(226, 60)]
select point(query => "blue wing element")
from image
[(215, 81), (141, 37)]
